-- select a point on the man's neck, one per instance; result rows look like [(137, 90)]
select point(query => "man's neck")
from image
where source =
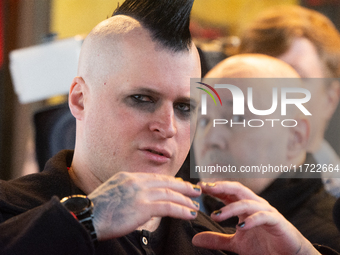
[(83, 181)]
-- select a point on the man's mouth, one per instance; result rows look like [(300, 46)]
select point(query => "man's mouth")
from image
[(156, 152)]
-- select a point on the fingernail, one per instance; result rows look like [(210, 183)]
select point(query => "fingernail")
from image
[(217, 212), (196, 187), (211, 184), (241, 225), (193, 213), (196, 204)]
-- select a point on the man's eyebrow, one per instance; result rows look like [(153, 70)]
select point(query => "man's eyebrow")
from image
[(149, 91), (146, 91), (187, 100)]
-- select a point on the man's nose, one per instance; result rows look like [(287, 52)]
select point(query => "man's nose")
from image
[(164, 123)]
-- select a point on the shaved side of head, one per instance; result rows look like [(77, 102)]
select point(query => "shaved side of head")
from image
[(164, 24), (102, 49)]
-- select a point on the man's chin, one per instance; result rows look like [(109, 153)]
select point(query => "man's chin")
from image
[(151, 169)]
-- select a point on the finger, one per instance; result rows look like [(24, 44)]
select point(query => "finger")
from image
[(165, 181), (178, 185), (212, 240), (168, 209), (166, 194), (140, 181), (261, 218), (225, 189), (242, 208)]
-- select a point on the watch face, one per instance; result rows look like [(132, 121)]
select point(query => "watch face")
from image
[(77, 204)]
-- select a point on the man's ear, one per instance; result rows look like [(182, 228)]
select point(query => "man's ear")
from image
[(298, 138), (76, 97)]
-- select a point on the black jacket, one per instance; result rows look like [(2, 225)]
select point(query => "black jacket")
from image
[(32, 221)]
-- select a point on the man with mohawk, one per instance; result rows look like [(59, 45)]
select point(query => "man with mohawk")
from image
[(115, 193)]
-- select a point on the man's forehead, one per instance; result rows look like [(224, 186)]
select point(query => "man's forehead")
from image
[(159, 89)]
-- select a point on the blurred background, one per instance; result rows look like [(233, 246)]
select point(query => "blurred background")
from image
[(24, 24)]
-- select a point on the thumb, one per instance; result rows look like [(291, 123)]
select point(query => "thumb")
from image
[(212, 240)]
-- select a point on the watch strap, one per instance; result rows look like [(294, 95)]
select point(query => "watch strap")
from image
[(83, 214), (88, 224)]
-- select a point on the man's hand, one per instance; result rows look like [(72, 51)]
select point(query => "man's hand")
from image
[(261, 230), (128, 200)]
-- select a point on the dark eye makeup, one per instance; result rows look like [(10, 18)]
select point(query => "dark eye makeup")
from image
[(149, 103), (139, 98)]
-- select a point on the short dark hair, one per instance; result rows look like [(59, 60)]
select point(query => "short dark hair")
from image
[(167, 20), (273, 31)]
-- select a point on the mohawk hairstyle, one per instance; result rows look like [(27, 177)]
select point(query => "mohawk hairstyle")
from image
[(167, 20)]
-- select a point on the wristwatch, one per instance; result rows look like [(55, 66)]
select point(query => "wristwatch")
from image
[(81, 207)]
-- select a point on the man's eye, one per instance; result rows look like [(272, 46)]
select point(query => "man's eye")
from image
[(183, 107), (142, 98)]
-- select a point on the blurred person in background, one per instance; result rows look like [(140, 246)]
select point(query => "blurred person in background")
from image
[(299, 198), (309, 42)]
